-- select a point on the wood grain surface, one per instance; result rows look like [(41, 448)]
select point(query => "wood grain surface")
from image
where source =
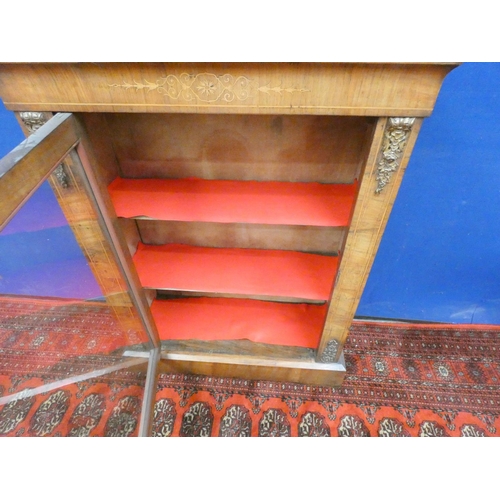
[(238, 122), (365, 233), (251, 88)]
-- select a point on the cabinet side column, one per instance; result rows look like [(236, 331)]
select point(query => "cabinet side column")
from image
[(391, 147)]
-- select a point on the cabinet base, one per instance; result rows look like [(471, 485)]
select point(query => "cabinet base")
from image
[(300, 372)]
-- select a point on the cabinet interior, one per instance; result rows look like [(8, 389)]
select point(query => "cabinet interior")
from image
[(236, 223)]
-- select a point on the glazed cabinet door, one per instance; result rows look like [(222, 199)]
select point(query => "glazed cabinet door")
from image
[(70, 309)]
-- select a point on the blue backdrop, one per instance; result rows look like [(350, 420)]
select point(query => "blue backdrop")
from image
[(439, 257)]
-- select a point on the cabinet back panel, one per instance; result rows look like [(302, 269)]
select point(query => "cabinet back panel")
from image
[(240, 147), (314, 239)]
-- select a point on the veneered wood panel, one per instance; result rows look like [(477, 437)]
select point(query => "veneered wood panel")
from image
[(176, 294), (28, 165), (99, 139), (116, 258), (255, 369), (372, 89), (240, 348), (316, 239), (130, 232), (240, 147), (370, 217)]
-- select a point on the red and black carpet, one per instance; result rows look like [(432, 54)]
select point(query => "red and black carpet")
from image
[(403, 380)]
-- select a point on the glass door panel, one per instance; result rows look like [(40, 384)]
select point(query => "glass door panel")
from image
[(68, 311), (106, 405)]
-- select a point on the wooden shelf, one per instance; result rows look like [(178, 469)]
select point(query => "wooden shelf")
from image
[(251, 272), (298, 325), (257, 202)]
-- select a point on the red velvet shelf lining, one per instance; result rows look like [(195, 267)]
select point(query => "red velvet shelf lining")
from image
[(205, 318), (295, 203), (236, 271)]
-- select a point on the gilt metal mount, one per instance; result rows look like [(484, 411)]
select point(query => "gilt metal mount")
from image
[(395, 137)]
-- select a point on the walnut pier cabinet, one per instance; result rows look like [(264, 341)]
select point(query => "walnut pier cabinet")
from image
[(243, 202)]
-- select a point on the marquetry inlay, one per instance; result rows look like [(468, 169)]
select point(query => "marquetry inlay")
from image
[(206, 87)]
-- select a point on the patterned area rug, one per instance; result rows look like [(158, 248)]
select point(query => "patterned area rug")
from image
[(43, 341), (403, 380)]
